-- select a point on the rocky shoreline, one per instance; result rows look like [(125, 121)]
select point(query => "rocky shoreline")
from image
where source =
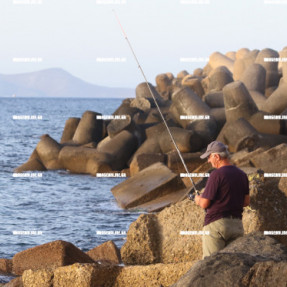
[(238, 98)]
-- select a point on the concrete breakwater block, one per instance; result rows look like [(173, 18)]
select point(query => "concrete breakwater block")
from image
[(90, 129), (143, 91), (186, 140), (163, 83), (241, 53), (193, 83), (217, 59), (30, 165), (273, 160), (142, 104), (150, 183), (48, 151), (121, 147), (276, 103), (85, 160), (258, 98), (218, 114), (186, 103), (69, 129), (49, 255), (254, 78), (182, 74), (214, 99), (126, 109), (142, 161), (118, 125), (243, 63), (239, 135), (218, 78), (231, 55), (238, 102)]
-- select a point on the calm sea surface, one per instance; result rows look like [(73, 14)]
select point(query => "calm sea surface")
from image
[(73, 208)]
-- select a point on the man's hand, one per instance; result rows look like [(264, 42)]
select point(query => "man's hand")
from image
[(202, 202)]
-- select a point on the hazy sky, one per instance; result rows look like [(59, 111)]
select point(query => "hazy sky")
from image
[(82, 36)]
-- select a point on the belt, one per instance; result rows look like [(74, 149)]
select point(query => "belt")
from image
[(232, 217)]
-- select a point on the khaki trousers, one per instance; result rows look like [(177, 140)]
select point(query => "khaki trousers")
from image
[(221, 232)]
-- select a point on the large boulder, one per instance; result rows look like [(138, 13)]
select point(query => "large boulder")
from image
[(48, 255), (107, 252), (169, 236), (268, 273)]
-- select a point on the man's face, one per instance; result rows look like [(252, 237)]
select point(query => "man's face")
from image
[(213, 160)]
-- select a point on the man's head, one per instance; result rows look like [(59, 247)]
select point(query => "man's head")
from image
[(217, 154)]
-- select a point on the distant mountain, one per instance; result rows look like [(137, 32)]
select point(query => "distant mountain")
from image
[(56, 83)]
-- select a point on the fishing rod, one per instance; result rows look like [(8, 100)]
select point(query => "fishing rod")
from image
[(158, 108)]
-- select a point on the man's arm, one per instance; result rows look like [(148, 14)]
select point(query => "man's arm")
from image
[(202, 202), (246, 200)]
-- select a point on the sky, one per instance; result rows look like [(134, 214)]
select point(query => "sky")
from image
[(84, 38)]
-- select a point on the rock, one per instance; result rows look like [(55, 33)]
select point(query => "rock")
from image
[(217, 59), (118, 125), (142, 161), (259, 245), (254, 78), (48, 150), (272, 160), (16, 282), (266, 274), (154, 275), (36, 278), (277, 102), (239, 135), (121, 148), (283, 183), (238, 102), (218, 78), (182, 74), (85, 275), (214, 99), (5, 266), (107, 252), (90, 128), (34, 164), (69, 129), (86, 160), (186, 140), (150, 183), (157, 237), (194, 84), (268, 207), (49, 255)]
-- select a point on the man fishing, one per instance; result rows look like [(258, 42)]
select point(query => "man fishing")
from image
[(224, 196)]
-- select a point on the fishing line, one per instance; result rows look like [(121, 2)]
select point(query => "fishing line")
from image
[(165, 123)]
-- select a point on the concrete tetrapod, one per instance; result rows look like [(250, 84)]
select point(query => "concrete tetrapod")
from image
[(218, 78), (217, 59), (152, 182), (238, 102), (69, 129), (48, 150), (90, 128)]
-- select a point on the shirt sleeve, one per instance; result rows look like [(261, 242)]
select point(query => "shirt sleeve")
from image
[(211, 187)]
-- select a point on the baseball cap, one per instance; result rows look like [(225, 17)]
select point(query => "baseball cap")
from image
[(214, 147)]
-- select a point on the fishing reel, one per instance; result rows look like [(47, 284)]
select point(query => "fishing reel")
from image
[(192, 195)]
